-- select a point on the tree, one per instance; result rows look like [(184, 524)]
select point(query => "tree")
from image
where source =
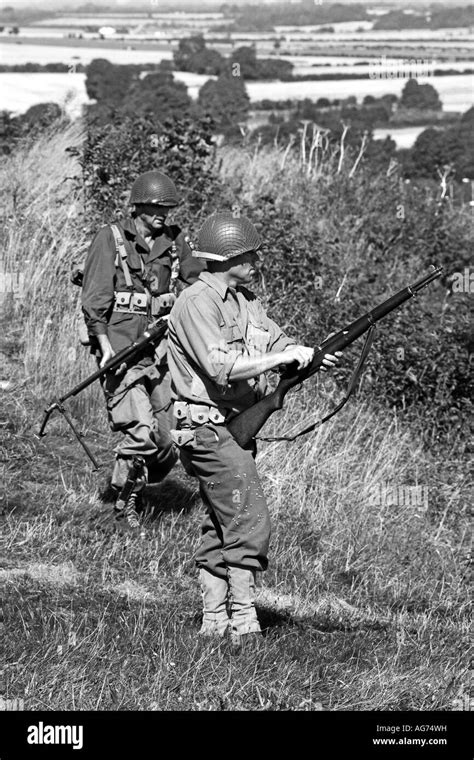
[(158, 94), (225, 99), (108, 83), (434, 148), (193, 55), (420, 97), (41, 116), (246, 57), (252, 67)]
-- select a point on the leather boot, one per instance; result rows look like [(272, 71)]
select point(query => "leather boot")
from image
[(215, 620), (244, 619)]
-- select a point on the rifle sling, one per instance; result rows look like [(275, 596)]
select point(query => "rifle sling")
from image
[(350, 389)]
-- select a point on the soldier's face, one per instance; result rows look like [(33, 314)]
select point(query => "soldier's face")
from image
[(244, 267), (153, 215)]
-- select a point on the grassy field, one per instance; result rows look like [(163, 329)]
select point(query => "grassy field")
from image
[(365, 604)]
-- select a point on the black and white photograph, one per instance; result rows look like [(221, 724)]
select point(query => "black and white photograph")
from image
[(236, 389)]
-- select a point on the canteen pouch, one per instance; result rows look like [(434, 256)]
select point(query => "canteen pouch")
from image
[(182, 437)]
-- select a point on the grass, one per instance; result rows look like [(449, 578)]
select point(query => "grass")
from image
[(365, 604)]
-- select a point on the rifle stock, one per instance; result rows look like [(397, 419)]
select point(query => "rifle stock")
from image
[(245, 425)]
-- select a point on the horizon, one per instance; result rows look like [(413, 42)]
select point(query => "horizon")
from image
[(71, 5)]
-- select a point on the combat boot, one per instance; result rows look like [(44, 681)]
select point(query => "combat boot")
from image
[(215, 620), (244, 621)]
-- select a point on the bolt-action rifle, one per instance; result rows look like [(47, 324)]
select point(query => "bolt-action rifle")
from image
[(153, 334), (245, 426)]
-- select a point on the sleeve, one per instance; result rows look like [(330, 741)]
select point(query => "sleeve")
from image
[(197, 331), (189, 267), (278, 339), (99, 282)]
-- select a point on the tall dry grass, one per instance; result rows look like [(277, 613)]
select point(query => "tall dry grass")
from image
[(41, 197), (365, 601)]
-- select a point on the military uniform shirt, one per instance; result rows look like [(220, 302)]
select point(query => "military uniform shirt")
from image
[(210, 325), (102, 278)]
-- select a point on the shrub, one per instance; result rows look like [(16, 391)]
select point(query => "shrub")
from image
[(366, 237), (419, 96), (114, 154), (225, 99)]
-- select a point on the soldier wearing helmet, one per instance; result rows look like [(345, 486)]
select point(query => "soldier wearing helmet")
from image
[(220, 345), (131, 275)]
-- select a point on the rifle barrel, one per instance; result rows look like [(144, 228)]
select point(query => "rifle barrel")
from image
[(245, 425)]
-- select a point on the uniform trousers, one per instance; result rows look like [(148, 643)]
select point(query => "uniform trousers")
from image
[(139, 407), (236, 528)]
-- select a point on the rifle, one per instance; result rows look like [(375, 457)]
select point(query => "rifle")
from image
[(154, 333), (245, 425)]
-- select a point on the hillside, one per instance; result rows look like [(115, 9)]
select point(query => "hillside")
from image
[(365, 603)]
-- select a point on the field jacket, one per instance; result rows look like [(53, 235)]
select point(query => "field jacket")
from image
[(104, 277)]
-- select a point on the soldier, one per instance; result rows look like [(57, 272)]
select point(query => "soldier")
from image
[(220, 345), (130, 273)]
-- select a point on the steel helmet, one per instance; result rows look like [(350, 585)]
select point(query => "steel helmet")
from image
[(224, 235), (154, 187)]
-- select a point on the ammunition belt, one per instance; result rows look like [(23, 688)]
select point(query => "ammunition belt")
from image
[(197, 414), (131, 303)]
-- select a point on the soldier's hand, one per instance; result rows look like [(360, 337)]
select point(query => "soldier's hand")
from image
[(330, 360), (301, 354), (106, 349), (107, 354)]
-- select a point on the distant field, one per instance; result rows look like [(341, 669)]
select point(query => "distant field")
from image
[(456, 92), (67, 52), (20, 91), (310, 51)]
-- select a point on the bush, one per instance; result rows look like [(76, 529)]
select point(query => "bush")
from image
[(123, 89), (27, 127), (225, 99), (435, 148), (367, 237), (108, 83), (419, 96), (116, 153), (193, 55), (158, 94)]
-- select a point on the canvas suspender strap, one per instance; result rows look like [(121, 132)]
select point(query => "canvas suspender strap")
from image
[(122, 256)]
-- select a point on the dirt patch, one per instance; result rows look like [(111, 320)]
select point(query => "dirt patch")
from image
[(131, 590), (55, 575), (329, 610)]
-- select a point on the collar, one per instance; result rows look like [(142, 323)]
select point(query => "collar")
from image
[(160, 244), (128, 225), (210, 279)]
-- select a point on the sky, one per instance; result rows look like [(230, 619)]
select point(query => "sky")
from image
[(71, 4)]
